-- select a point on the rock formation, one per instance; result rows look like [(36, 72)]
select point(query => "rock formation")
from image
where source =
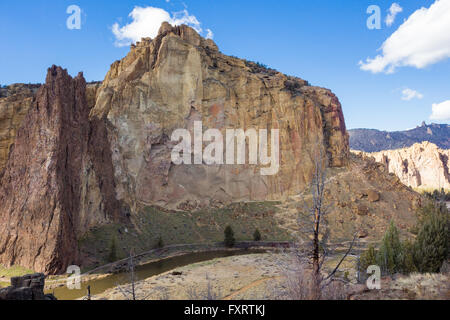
[(52, 189), (90, 156), (423, 165), (15, 101), (177, 78), (29, 287), (14, 104)]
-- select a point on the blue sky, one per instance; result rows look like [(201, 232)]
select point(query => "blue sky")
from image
[(321, 41)]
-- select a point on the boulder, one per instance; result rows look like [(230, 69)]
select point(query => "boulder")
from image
[(28, 287), (373, 196)]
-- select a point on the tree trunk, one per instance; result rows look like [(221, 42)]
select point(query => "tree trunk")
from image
[(316, 292)]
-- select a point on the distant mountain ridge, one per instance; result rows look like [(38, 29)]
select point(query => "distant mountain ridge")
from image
[(371, 140)]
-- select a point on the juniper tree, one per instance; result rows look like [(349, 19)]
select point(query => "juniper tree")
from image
[(229, 237), (257, 235), (432, 243), (389, 256)]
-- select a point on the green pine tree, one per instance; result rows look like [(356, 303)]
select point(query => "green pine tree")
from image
[(389, 256), (367, 258), (160, 243), (229, 237), (432, 243), (257, 235), (408, 265)]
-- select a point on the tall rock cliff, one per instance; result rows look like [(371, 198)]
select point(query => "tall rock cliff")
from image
[(423, 165), (15, 102), (75, 164), (49, 179), (177, 78)]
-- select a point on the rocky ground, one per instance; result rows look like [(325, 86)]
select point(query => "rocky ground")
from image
[(260, 276), (249, 274)]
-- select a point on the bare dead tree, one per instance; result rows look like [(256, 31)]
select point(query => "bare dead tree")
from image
[(130, 293), (314, 231)]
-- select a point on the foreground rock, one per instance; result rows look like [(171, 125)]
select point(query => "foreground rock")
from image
[(423, 165), (29, 287)]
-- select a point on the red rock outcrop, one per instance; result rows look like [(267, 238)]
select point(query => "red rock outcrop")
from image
[(15, 101), (45, 184)]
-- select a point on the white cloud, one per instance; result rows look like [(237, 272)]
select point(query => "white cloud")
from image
[(209, 34), (147, 21), (423, 39), (393, 11), (441, 111), (409, 94)]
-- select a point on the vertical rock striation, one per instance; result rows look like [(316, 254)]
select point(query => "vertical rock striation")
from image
[(15, 101), (177, 78), (44, 186)]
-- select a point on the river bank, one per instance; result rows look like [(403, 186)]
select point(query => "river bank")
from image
[(152, 263)]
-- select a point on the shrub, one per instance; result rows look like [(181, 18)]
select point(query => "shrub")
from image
[(229, 237), (257, 235), (408, 265), (389, 256), (426, 255), (160, 243), (432, 243), (368, 258)]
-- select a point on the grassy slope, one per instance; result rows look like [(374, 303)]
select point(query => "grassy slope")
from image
[(15, 271)]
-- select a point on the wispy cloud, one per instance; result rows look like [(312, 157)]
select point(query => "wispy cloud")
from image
[(147, 21), (409, 94), (394, 10), (422, 40), (441, 111)]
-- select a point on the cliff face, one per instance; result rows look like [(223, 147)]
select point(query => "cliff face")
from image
[(49, 179), (14, 104), (85, 156), (177, 78), (423, 165), (15, 101)]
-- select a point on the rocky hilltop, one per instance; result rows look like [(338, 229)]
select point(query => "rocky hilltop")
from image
[(177, 78), (423, 165), (82, 159), (369, 140)]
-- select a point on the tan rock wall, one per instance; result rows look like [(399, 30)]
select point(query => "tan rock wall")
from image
[(178, 78)]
